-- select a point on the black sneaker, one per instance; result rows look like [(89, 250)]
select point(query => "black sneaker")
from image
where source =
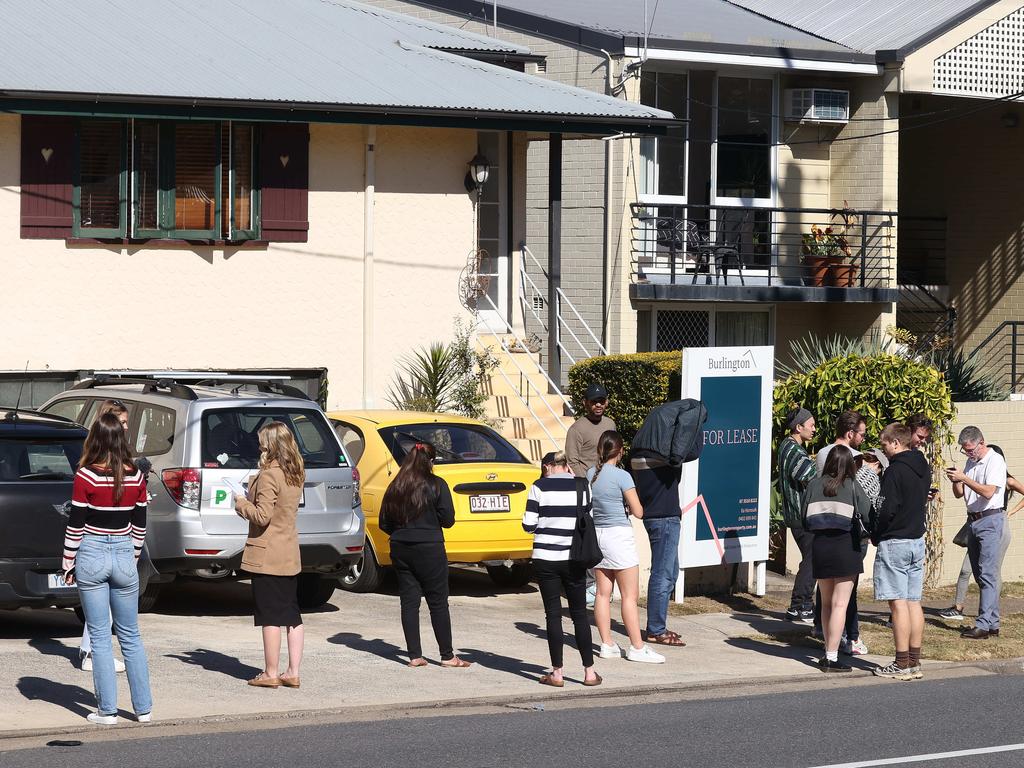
[(832, 667), (952, 614), (793, 614), (807, 617)]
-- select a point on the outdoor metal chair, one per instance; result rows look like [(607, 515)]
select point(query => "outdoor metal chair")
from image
[(728, 250)]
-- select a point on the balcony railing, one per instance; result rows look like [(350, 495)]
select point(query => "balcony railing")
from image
[(724, 245)]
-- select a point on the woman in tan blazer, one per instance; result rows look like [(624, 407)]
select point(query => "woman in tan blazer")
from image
[(272, 551)]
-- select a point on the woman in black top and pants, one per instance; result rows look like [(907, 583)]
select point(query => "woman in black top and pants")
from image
[(416, 506)]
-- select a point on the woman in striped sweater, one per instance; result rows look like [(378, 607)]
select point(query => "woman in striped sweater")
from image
[(103, 541), (551, 511)]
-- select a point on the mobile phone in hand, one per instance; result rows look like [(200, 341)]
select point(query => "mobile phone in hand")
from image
[(69, 577)]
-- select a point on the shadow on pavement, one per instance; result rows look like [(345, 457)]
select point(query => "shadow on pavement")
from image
[(499, 663), (376, 647), (73, 698), (466, 581), (39, 623), (808, 656), (56, 648), (202, 597), (214, 661)]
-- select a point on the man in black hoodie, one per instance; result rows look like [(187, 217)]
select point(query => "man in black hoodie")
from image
[(899, 536)]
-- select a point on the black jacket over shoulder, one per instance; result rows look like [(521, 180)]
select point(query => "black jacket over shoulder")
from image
[(672, 432), (427, 526), (904, 499)]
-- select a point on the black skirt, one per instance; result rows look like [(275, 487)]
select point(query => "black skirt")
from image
[(276, 599), (835, 555)]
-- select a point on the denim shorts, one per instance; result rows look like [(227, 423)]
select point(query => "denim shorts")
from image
[(899, 569)]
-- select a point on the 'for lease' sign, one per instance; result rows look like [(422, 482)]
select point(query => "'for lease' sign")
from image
[(726, 492)]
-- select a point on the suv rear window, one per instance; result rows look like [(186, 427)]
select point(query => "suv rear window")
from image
[(38, 460), (229, 437), (453, 443)]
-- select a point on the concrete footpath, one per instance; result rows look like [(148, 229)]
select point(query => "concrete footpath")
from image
[(202, 648)]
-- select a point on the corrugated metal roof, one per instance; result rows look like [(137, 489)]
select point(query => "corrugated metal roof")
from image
[(867, 25), (320, 52), (695, 21)]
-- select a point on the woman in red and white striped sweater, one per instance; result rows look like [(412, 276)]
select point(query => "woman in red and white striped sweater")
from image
[(105, 533)]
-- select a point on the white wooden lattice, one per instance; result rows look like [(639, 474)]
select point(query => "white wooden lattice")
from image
[(988, 64)]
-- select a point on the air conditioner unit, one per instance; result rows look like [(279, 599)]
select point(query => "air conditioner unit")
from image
[(817, 105)]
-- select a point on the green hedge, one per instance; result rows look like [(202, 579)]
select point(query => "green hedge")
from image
[(635, 383)]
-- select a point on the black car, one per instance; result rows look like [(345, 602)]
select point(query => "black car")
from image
[(38, 458)]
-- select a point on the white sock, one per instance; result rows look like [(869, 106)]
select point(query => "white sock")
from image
[(832, 655)]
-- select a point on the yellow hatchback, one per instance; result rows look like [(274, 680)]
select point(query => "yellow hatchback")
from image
[(488, 479)]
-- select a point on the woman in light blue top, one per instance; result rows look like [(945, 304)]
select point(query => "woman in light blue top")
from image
[(615, 499)]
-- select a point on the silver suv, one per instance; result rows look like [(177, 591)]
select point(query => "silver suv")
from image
[(200, 434)]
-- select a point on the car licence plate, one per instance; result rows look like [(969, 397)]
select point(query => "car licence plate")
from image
[(56, 581), (490, 502)]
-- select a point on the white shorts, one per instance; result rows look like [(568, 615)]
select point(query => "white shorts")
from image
[(618, 547)]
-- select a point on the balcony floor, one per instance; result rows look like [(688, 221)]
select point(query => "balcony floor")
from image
[(658, 287)]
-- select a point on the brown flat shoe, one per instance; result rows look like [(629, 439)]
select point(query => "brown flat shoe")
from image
[(265, 682), (549, 680), (456, 663), (666, 638), (596, 681), (289, 682)]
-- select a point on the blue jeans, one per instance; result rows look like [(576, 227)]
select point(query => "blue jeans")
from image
[(984, 544), (108, 583), (899, 569), (664, 535)]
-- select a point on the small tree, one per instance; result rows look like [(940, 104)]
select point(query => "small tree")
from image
[(443, 377)]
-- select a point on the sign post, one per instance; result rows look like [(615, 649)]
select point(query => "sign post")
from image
[(725, 495)]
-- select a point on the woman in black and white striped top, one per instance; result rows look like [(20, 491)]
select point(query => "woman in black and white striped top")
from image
[(105, 533), (551, 512)]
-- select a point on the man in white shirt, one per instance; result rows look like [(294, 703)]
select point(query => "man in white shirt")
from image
[(982, 484), (850, 432)]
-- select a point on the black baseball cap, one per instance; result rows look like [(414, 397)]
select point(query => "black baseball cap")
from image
[(549, 458), (596, 392)]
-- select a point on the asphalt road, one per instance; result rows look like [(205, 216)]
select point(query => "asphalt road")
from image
[(834, 725)]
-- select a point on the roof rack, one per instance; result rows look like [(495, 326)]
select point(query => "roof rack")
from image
[(265, 385), (174, 389), (171, 381)]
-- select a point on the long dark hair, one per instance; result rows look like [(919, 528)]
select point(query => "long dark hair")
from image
[(107, 444), (412, 491), (839, 467), (609, 444)]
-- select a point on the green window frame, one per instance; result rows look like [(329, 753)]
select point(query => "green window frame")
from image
[(149, 202), (82, 221)]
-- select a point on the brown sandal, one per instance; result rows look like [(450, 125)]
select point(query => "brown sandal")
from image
[(419, 661), (550, 680), (456, 663), (596, 681), (265, 682), (290, 682), (666, 638)]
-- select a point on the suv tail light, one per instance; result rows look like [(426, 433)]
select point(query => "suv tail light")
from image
[(184, 485), (357, 498)]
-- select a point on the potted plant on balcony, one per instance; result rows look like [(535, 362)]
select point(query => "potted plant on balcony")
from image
[(827, 251)]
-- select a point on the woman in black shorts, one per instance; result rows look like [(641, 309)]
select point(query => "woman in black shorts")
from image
[(832, 505)]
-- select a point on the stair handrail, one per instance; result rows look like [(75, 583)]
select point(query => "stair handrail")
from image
[(524, 280), (586, 326), (562, 298)]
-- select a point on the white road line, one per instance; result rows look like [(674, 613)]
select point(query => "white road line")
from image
[(924, 758)]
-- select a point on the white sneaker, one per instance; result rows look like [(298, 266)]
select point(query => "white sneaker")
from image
[(87, 662), (857, 648), (611, 651), (644, 654), (97, 719), (146, 718)]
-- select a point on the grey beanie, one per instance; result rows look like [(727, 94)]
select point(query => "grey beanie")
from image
[(802, 415)]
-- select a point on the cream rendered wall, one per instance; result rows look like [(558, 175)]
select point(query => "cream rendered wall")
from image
[(288, 305)]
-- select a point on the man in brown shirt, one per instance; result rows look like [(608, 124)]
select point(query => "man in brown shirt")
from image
[(582, 438)]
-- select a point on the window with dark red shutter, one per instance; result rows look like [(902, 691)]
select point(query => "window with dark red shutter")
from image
[(47, 168), (284, 182), (109, 178)]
